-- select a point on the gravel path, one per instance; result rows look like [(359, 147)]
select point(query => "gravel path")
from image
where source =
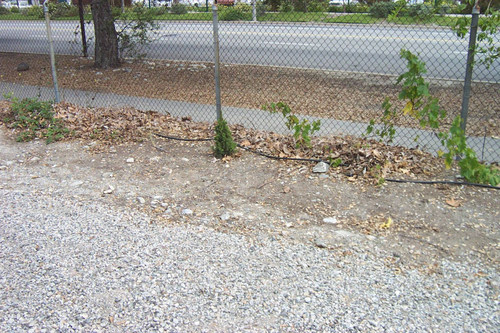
[(72, 264)]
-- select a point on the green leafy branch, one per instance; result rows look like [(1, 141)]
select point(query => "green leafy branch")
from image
[(421, 105), (302, 129), (488, 25)]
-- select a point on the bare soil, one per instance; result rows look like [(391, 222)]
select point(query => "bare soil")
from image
[(416, 225), (341, 96)]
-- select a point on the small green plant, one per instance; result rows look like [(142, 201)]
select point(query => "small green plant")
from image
[(419, 103), (425, 108), (35, 119), (470, 168), (302, 129), (335, 163), (224, 143)]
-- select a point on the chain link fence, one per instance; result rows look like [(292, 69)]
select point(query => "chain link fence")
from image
[(335, 62)]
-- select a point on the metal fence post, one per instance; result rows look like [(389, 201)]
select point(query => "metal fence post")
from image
[(218, 107), (51, 51), (254, 10), (470, 64)]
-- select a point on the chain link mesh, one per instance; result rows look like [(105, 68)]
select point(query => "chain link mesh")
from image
[(334, 63)]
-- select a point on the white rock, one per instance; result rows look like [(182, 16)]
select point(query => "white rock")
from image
[(225, 217), (187, 211), (321, 167), (110, 189), (331, 220), (76, 183), (141, 200), (130, 160)]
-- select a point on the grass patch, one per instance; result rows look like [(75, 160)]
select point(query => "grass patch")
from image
[(35, 119)]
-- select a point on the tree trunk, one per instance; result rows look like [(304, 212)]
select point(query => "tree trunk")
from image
[(106, 40)]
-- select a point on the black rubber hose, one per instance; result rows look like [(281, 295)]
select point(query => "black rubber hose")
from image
[(427, 182)]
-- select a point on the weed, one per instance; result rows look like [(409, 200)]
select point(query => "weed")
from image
[(425, 108), (35, 119), (302, 129)]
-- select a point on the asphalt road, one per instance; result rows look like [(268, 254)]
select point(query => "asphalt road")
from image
[(351, 48)]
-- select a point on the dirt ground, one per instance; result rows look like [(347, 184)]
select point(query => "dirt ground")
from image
[(181, 182), (336, 95)]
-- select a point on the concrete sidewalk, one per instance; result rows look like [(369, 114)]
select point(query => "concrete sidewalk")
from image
[(487, 148)]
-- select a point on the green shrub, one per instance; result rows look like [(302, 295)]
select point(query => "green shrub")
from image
[(382, 9), (300, 5), (262, 8), (178, 9), (4, 11), (421, 12), (62, 9), (14, 10), (286, 6), (224, 143), (243, 7), (34, 11), (233, 14), (158, 11), (317, 7), (116, 12)]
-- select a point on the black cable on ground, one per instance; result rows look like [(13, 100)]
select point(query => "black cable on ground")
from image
[(447, 182), (179, 139), (427, 182)]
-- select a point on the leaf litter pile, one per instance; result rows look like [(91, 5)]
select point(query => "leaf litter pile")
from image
[(356, 158)]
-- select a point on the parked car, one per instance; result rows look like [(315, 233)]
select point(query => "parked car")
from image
[(13, 3)]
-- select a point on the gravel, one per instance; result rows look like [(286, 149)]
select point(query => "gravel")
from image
[(73, 264)]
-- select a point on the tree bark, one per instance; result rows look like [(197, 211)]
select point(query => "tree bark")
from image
[(106, 40)]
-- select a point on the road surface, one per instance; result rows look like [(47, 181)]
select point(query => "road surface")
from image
[(340, 47)]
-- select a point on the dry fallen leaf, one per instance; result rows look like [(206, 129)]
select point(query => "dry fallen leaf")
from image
[(453, 203)]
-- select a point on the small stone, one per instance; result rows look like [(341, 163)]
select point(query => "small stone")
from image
[(98, 73), (158, 197), (141, 200), (323, 176), (3, 167), (331, 220), (110, 189), (187, 211), (225, 217), (130, 160), (76, 183), (320, 243), (22, 67), (321, 167), (35, 159)]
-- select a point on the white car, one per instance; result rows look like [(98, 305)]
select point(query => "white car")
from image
[(13, 3)]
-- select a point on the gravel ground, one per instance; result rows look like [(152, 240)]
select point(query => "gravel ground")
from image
[(69, 264)]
